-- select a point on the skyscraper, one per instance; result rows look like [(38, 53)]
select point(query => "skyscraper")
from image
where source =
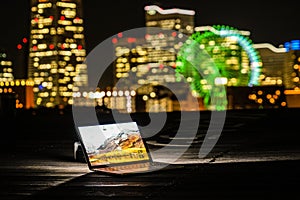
[(163, 47), (56, 51), (156, 50), (152, 58)]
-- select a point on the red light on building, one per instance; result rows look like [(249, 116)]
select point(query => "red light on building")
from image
[(36, 20), (174, 34), (51, 46), (25, 40), (120, 35), (114, 40), (51, 17), (19, 46), (79, 47), (34, 48), (76, 20), (131, 40), (62, 18)]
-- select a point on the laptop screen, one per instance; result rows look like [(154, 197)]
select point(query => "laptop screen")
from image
[(113, 143)]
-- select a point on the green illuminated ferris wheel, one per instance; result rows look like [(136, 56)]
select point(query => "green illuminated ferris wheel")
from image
[(220, 56)]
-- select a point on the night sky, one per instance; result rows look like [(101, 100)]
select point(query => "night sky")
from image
[(275, 23)]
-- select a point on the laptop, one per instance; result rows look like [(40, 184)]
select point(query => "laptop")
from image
[(117, 148)]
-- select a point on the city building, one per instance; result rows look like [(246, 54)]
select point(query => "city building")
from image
[(162, 47), (7, 97), (56, 51), (6, 67), (21, 89), (130, 53), (21, 59), (151, 59), (292, 65), (178, 19), (292, 73), (273, 60), (13, 91)]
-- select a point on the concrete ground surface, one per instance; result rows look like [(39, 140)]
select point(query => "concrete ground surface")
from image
[(256, 157)]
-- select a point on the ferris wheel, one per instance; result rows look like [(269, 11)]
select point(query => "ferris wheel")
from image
[(216, 57)]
